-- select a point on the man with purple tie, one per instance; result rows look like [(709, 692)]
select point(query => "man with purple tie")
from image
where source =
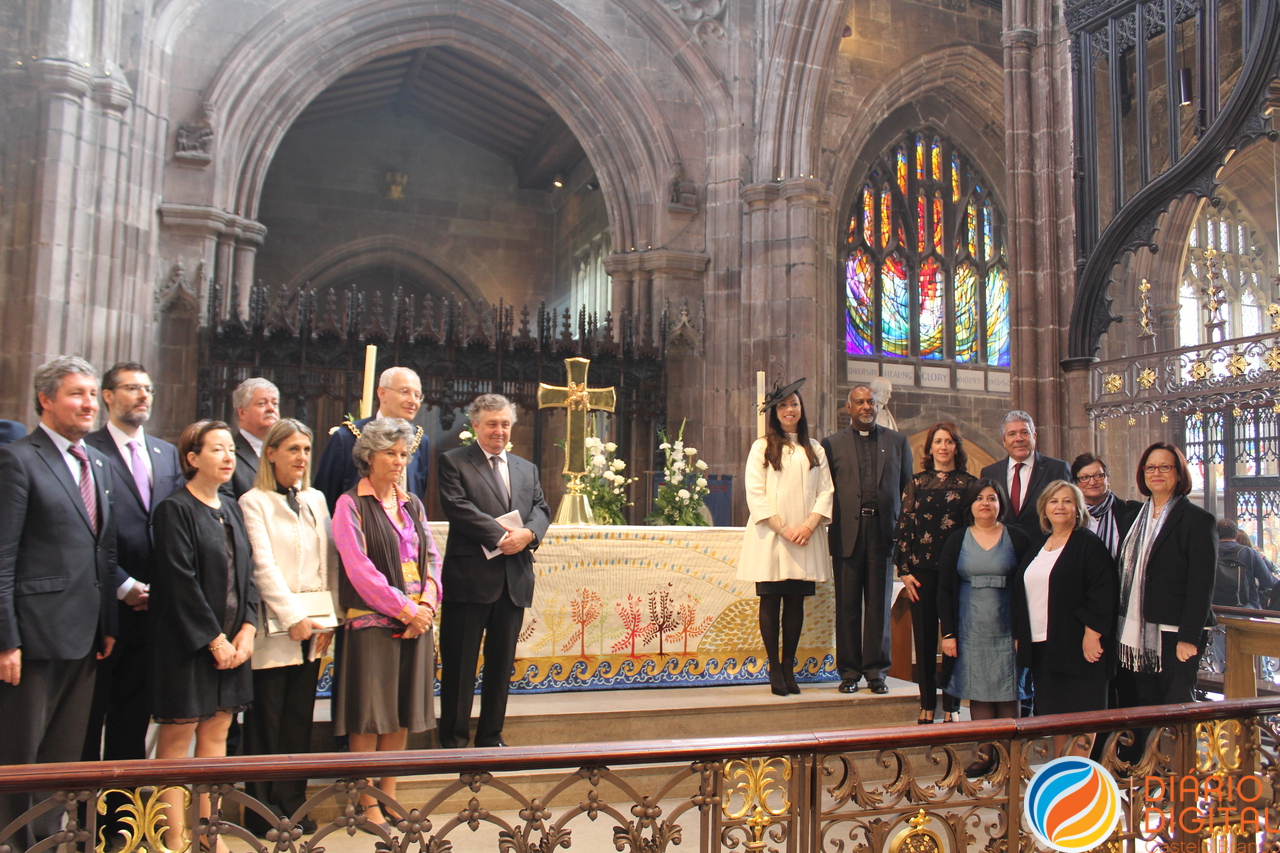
[(57, 600), (146, 470)]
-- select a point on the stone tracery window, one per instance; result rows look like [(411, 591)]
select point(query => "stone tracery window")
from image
[(1242, 262), (926, 272)]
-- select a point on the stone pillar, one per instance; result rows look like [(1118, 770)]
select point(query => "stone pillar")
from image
[(249, 238), (1041, 219)]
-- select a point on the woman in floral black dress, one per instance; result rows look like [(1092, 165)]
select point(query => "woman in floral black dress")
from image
[(931, 511)]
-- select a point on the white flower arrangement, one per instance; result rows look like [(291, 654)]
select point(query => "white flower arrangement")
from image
[(604, 484), (680, 496)]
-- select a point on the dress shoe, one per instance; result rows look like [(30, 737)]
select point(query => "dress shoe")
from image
[(496, 743), (925, 718), (848, 685), (790, 678), (777, 684), (877, 685)]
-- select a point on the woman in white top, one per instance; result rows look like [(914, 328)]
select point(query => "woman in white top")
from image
[(784, 546), (293, 552)]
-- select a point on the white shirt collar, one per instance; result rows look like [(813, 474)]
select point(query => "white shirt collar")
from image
[(122, 440), (60, 441), (502, 455), (1027, 463), (254, 442)]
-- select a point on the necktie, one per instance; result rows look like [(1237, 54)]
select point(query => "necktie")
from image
[(140, 478), (290, 497), (1015, 499), (502, 484), (87, 493)]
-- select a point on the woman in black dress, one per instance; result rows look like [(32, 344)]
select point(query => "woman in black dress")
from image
[(204, 607), (931, 511)]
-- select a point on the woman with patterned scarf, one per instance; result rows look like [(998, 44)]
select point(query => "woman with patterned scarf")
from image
[(1110, 517), (1167, 564)]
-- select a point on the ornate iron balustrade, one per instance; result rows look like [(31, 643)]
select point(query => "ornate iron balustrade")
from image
[(898, 789), (1223, 375)]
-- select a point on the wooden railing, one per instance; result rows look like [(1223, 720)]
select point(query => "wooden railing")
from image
[(890, 789)]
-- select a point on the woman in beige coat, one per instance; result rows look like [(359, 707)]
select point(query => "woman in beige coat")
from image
[(294, 558)]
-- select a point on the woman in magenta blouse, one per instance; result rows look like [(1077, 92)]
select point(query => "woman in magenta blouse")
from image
[(389, 592)]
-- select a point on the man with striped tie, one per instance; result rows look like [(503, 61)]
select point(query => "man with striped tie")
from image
[(57, 599)]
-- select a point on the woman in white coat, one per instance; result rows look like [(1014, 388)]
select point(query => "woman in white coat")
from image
[(296, 568), (784, 546)]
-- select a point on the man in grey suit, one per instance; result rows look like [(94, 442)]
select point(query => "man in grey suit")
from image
[(870, 467), (485, 595), (57, 563), (1024, 473), (257, 404), (146, 470)]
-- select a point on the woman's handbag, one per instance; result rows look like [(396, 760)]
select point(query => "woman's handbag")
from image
[(317, 605)]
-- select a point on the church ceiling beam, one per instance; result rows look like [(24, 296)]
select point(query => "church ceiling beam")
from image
[(463, 129), (517, 104), (554, 149), (484, 122), (410, 77), (467, 73)]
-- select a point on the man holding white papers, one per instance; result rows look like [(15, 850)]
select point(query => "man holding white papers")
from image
[(497, 517)]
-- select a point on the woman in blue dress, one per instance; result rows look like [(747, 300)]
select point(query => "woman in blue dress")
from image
[(974, 583)]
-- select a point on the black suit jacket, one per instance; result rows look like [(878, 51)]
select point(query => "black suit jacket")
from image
[(1084, 590), (133, 520), (246, 468), (1181, 571), (894, 466), (1044, 471), (57, 600), (470, 500)]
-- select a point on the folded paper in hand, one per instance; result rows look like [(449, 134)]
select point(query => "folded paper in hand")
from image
[(511, 521)]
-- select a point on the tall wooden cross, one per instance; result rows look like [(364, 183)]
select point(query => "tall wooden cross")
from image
[(578, 400)]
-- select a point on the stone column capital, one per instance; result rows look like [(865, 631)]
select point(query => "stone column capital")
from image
[(60, 77), (113, 93), (1020, 37), (251, 232), (676, 262), (1076, 365), (195, 219)]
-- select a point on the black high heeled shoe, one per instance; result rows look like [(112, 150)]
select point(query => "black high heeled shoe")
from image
[(777, 682), (789, 678), (925, 718)]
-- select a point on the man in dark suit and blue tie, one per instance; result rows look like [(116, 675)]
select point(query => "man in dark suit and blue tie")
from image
[(57, 565), (485, 595), (146, 470), (399, 396), (1024, 473)]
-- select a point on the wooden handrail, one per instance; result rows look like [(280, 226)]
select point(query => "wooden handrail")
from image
[(341, 765)]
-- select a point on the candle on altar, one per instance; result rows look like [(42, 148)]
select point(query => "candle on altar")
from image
[(370, 365), (760, 416)]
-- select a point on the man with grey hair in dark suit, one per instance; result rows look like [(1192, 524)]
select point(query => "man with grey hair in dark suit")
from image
[(57, 596), (870, 467), (487, 575), (1024, 473)]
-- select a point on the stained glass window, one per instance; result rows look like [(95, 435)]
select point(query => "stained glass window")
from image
[(966, 313), (926, 276), (868, 215), (895, 307), (933, 308), (922, 212), (997, 305), (860, 291)]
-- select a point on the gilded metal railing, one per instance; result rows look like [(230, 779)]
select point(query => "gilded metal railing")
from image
[(1187, 774)]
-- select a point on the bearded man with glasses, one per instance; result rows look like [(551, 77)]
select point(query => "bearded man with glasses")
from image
[(1110, 516)]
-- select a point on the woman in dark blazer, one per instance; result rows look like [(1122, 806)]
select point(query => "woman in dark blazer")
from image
[(1064, 606), (1167, 566), (204, 607)]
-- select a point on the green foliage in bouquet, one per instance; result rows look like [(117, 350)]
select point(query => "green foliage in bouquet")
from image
[(680, 497)]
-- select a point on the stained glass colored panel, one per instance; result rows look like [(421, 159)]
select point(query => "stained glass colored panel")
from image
[(868, 216), (997, 317), (937, 159), (933, 308), (919, 157), (971, 228), (855, 225), (966, 313), (955, 177), (895, 308), (859, 288), (937, 223), (902, 169), (886, 216), (922, 213), (988, 236)]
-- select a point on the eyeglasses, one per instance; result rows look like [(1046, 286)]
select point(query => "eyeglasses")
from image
[(135, 388), (1157, 469), (1091, 478), (416, 396)]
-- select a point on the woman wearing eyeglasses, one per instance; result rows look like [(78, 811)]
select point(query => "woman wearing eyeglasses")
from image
[(1110, 516), (1167, 564)]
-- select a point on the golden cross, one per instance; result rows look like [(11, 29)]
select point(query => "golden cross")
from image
[(578, 400)]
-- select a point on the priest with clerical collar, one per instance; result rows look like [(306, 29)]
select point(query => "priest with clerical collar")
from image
[(399, 396), (870, 467)]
